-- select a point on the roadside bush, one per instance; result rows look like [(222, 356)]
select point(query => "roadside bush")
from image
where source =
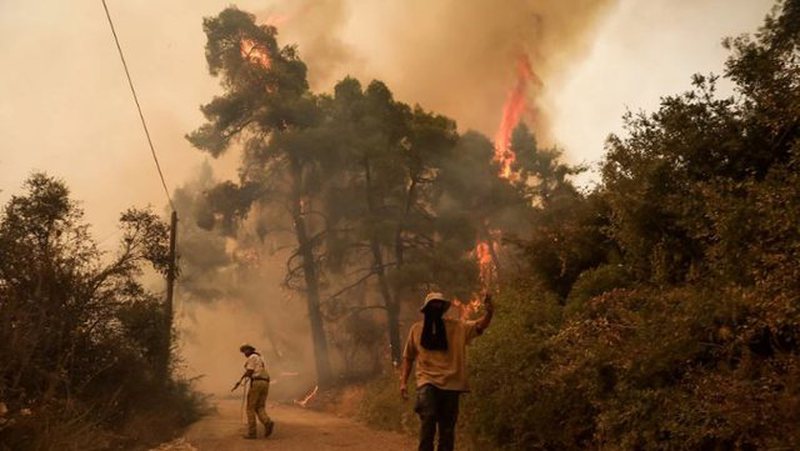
[(506, 403), (633, 369), (383, 408), (84, 348)]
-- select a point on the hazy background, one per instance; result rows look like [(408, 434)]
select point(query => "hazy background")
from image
[(65, 107)]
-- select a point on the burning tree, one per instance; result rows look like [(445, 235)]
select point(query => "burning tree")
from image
[(379, 195), (268, 107)]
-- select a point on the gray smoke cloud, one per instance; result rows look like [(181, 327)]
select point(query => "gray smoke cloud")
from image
[(455, 57), (65, 107)]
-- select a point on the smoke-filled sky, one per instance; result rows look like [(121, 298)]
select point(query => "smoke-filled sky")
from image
[(65, 107)]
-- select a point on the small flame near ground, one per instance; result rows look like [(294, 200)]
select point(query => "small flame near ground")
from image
[(308, 398), (483, 254)]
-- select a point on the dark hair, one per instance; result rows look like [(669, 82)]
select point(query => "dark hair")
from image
[(434, 333)]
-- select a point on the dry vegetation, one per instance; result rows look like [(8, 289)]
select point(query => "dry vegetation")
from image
[(84, 349)]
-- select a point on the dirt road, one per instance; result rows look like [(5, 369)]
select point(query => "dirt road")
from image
[(296, 429)]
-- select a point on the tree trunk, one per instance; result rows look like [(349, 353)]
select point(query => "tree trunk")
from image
[(392, 309), (399, 250), (166, 351), (311, 279)]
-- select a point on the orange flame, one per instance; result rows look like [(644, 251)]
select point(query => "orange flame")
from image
[(466, 309), (487, 273), (254, 52), (515, 106), (308, 398), (485, 263)]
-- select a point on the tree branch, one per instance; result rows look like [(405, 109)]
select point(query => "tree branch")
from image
[(351, 286)]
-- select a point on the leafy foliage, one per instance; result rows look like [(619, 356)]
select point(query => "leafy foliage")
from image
[(659, 310), (79, 338), (680, 327)]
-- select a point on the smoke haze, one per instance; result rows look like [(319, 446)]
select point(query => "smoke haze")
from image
[(65, 107), (454, 57)]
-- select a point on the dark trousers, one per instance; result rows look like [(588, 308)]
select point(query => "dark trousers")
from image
[(436, 408)]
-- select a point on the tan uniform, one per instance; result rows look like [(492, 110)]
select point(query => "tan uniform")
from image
[(259, 390), (446, 370)]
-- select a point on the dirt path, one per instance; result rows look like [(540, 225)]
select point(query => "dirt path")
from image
[(295, 429)]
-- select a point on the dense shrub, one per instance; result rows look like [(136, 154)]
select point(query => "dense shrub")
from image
[(633, 369), (383, 408), (504, 365), (84, 347), (687, 336), (596, 281)]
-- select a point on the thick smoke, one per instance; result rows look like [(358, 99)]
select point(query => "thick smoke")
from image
[(318, 28), (458, 58), (230, 291), (455, 57)]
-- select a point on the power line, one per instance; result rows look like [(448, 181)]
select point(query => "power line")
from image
[(138, 107)]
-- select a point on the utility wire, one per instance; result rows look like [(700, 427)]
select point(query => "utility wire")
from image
[(138, 107)]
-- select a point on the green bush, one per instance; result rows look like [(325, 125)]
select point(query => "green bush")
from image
[(84, 346), (383, 408), (596, 281), (505, 405), (632, 369)]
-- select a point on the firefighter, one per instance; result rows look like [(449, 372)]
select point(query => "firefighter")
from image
[(438, 346), (256, 374)]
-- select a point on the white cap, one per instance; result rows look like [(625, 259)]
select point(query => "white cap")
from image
[(434, 296)]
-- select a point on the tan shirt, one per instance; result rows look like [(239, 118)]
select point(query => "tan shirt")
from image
[(256, 363), (444, 369)]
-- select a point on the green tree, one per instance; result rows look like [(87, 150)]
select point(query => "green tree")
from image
[(77, 328), (390, 154), (267, 106), (687, 333), (557, 228)]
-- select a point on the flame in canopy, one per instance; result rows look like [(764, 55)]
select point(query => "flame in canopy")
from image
[(254, 52), (516, 104)]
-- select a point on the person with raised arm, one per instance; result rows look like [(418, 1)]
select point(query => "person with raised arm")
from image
[(438, 347)]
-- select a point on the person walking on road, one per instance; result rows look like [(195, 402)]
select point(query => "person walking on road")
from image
[(255, 373), (438, 346)]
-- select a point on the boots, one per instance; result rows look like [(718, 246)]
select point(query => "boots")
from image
[(268, 428)]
